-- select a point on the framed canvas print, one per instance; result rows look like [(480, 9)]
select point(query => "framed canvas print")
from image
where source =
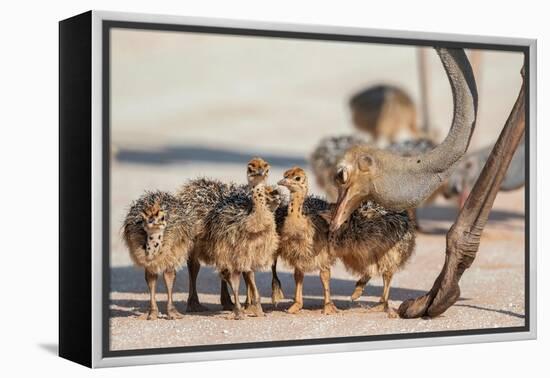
[(232, 189)]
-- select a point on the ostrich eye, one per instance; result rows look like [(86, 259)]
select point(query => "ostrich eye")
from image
[(366, 163)]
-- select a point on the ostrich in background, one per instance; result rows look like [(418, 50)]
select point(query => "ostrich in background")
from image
[(460, 183)]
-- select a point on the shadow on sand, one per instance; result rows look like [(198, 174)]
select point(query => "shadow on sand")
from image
[(131, 280), (449, 213), (202, 154), (504, 312)]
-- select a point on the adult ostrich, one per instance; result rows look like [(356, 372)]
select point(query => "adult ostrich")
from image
[(404, 182), (399, 182)]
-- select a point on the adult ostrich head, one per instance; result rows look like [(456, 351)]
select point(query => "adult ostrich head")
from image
[(398, 183)]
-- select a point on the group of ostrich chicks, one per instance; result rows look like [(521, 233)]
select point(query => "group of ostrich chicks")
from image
[(242, 229)]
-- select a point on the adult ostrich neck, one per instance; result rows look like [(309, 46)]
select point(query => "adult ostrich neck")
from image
[(463, 87), (404, 182)]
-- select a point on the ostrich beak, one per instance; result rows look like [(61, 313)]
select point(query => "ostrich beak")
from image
[(346, 204)]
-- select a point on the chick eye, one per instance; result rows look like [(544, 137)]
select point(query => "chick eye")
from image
[(150, 220), (297, 178), (249, 169), (162, 219)]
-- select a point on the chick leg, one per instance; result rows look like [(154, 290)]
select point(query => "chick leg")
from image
[(169, 280), (193, 304), (384, 305), (328, 308), (151, 279), (298, 299), (233, 279), (360, 287), (255, 306)]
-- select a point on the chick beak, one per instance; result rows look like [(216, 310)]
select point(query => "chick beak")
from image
[(283, 182)]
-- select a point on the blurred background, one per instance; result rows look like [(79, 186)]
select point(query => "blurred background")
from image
[(185, 105)]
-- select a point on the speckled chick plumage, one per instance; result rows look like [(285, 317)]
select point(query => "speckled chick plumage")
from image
[(239, 236), (177, 239), (305, 246), (202, 196), (374, 241)]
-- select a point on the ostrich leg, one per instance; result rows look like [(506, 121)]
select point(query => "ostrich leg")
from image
[(464, 236)]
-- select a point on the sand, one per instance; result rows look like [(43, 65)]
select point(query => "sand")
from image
[(492, 295)]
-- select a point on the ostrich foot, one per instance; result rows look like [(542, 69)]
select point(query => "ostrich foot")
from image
[(238, 314), (255, 310), (384, 307), (444, 293), (380, 307), (330, 309), (173, 314), (295, 308), (153, 314), (431, 304)]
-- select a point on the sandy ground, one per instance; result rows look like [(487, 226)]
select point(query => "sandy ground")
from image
[(492, 295), (185, 106)]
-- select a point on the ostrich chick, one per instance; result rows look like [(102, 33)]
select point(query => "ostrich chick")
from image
[(242, 236), (374, 242), (159, 239), (202, 195), (303, 237)]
